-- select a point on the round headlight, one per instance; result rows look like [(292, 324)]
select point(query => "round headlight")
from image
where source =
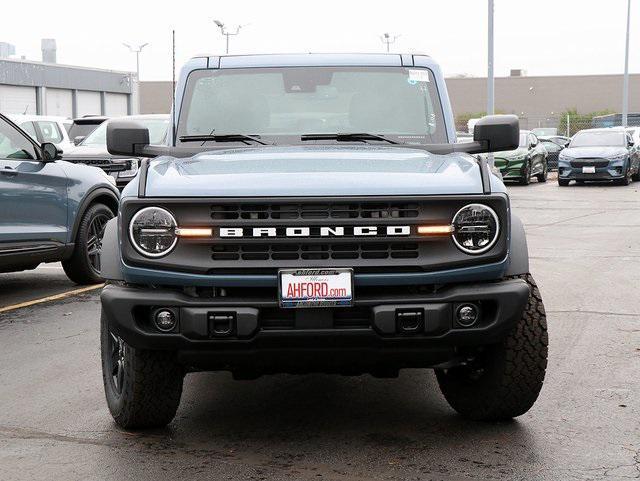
[(152, 231), (476, 228)]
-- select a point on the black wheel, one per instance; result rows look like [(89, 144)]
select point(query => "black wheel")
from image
[(636, 177), (563, 183), (542, 177), (627, 179), (83, 267), (143, 388), (526, 174), (504, 380)]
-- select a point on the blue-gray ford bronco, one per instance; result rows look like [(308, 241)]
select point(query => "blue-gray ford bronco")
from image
[(314, 213)]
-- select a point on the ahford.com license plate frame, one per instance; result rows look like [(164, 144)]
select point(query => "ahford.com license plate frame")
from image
[(315, 288)]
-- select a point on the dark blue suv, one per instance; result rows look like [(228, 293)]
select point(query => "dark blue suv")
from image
[(50, 210)]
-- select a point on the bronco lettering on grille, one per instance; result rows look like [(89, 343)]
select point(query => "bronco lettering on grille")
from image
[(317, 231)]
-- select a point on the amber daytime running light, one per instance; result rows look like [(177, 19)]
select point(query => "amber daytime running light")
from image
[(194, 232), (435, 229)]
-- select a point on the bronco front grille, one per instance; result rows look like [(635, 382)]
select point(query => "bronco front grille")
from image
[(295, 252), (347, 210), (368, 234)]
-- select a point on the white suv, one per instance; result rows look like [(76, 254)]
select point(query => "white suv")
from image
[(46, 128)]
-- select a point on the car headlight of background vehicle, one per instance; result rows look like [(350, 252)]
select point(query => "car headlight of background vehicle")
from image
[(131, 172), (564, 157), (618, 157), (152, 231), (517, 158), (476, 228)]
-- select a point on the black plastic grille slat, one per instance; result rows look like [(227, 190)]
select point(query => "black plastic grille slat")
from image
[(344, 251), (363, 210), (589, 163)]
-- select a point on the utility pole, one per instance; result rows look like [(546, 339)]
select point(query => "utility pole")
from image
[(625, 84), (227, 33), (137, 49), (490, 91), (388, 39)]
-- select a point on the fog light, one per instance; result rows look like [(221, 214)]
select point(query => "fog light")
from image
[(165, 320), (467, 315)]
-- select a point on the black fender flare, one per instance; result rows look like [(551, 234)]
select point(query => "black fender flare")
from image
[(518, 253), (98, 192), (110, 265)]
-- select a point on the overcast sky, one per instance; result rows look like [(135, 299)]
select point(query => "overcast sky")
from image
[(544, 37)]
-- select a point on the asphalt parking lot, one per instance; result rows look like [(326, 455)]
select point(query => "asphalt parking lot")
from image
[(583, 240)]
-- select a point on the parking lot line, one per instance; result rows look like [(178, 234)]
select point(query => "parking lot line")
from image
[(56, 297)]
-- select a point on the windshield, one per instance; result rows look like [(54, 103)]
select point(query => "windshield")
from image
[(524, 139), (157, 129), (598, 139), (400, 103)]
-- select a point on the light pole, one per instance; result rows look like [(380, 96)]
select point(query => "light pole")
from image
[(388, 39), (625, 83), (227, 33), (136, 49), (490, 91)]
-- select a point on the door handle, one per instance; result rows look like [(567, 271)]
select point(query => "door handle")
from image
[(8, 171)]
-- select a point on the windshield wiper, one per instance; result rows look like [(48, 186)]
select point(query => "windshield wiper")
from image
[(223, 138), (348, 136)]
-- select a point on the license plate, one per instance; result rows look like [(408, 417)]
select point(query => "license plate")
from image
[(589, 170), (316, 287)]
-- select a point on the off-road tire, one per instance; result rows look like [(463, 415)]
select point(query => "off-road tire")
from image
[(506, 378), (78, 267), (151, 385), (563, 183)]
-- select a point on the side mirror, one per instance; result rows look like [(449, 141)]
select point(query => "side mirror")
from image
[(50, 152), (126, 137), (78, 139), (497, 133)]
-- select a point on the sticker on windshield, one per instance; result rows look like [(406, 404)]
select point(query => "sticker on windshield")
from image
[(418, 76)]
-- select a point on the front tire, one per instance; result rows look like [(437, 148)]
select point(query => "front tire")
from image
[(142, 387), (505, 379), (544, 175), (563, 183), (83, 267), (526, 175)]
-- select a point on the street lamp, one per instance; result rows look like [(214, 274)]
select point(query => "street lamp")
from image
[(227, 33), (136, 49), (625, 83), (388, 39)]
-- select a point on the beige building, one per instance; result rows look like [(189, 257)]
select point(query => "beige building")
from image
[(536, 100)]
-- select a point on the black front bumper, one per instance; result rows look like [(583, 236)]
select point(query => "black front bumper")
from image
[(263, 337)]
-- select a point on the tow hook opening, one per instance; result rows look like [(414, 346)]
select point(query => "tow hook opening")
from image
[(222, 324), (410, 321)]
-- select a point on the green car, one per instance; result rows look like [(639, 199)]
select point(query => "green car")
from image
[(527, 161)]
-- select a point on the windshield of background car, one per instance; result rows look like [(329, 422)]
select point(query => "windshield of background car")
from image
[(401, 103), (598, 139), (157, 130), (524, 139), (81, 130)]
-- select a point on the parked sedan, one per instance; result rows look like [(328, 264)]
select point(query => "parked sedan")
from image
[(93, 149), (553, 146), (527, 161), (600, 154)]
